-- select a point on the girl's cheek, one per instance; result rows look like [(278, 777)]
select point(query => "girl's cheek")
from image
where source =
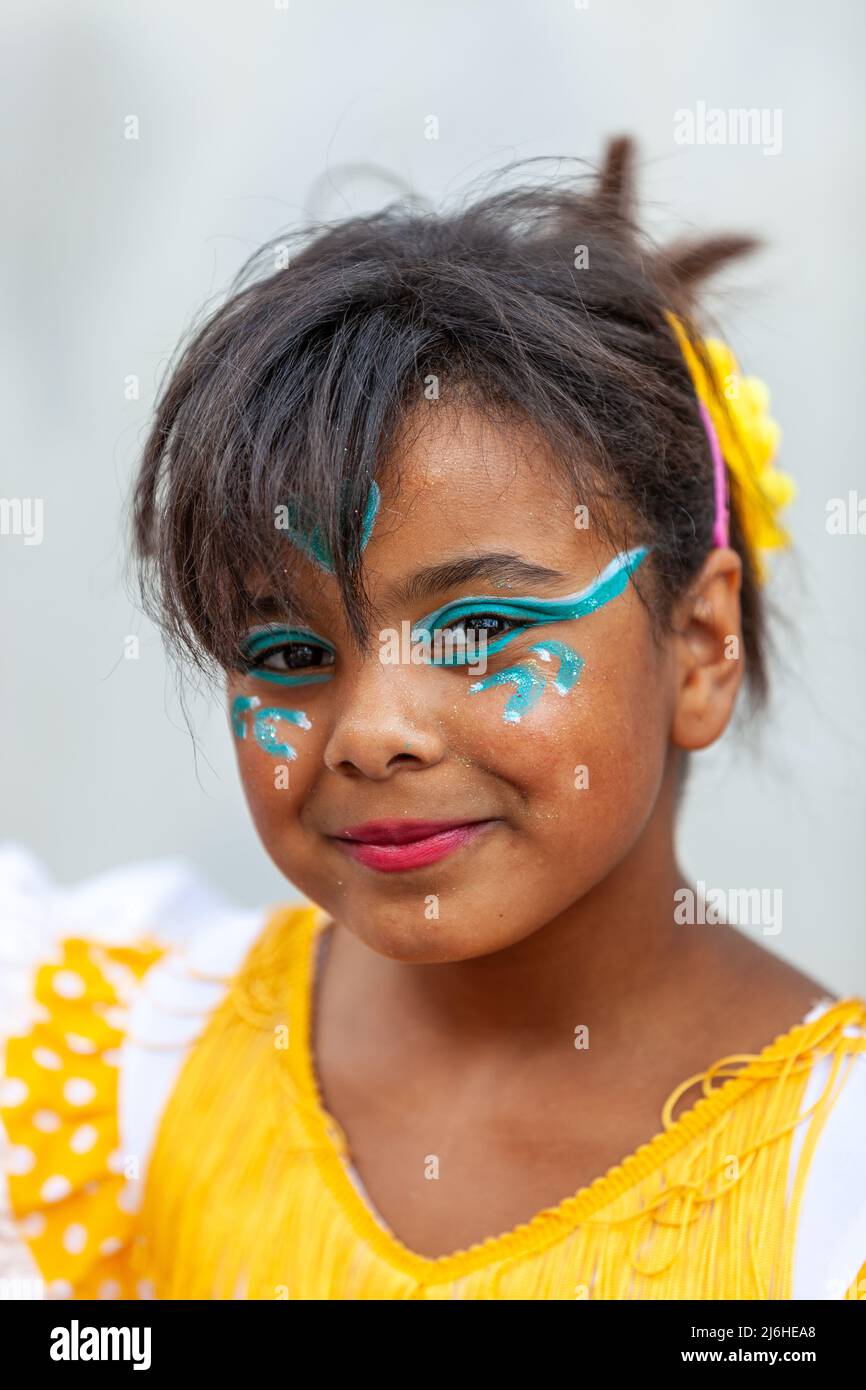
[(275, 741), (573, 724), (527, 719), (527, 753)]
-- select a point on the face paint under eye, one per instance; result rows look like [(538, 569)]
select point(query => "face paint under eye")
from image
[(532, 679), (570, 664), (264, 725), (529, 677), (271, 639), (310, 539)]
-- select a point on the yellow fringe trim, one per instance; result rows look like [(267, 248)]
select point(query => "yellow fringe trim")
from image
[(248, 1193)]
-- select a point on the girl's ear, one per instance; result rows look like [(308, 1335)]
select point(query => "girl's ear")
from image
[(708, 651)]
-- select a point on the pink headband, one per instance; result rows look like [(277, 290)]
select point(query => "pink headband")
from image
[(721, 531)]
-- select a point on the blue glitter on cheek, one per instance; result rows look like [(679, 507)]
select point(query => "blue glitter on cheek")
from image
[(531, 679), (529, 683), (570, 664), (240, 706), (264, 724)]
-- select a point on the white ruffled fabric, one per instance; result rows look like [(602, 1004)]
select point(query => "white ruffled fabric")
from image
[(163, 902)]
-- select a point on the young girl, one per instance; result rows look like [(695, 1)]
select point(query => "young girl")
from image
[(471, 523)]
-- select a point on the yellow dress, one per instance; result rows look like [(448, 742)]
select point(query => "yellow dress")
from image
[(249, 1189)]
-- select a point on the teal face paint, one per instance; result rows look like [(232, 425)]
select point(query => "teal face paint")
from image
[(314, 544), (570, 664), (264, 725), (240, 707), (531, 680), (529, 676), (529, 612), (370, 511), (264, 728), (264, 641)]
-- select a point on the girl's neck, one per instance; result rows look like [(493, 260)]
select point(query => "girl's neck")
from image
[(616, 953)]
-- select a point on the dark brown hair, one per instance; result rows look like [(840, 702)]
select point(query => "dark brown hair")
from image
[(542, 303)]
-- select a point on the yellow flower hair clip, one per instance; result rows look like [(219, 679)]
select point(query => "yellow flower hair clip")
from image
[(743, 436)]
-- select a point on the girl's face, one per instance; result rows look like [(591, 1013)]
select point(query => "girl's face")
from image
[(552, 761)]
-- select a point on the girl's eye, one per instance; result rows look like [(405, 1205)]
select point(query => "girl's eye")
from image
[(291, 656), (490, 623), (287, 653)]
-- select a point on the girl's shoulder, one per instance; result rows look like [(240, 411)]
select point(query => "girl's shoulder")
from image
[(104, 986)]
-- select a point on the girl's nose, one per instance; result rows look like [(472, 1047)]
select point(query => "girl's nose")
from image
[(383, 724)]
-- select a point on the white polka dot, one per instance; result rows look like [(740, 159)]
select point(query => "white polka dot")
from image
[(33, 1225), (39, 1013), (83, 1139), (44, 1057), (111, 1245), (75, 1238), (46, 1121), (145, 1288), (111, 1057), (78, 1091), (83, 1046), (109, 1288), (116, 1017), (127, 1199), (13, 1091), (115, 1161), (68, 984), (55, 1188), (20, 1160), (60, 1288)]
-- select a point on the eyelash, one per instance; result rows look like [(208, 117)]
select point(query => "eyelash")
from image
[(512, 627), (255, 654), (511, 624)]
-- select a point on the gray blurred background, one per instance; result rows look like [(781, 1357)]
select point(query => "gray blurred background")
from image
[(248, 114)]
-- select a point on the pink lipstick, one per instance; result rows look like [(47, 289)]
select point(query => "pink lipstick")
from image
[(395, 845)]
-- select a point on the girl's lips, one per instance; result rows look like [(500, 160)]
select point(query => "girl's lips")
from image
[(397, 846)]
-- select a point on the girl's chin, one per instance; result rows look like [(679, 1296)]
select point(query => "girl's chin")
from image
[(435, 934)]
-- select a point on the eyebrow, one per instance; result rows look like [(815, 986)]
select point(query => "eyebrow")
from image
[(268, 609), (499, 569)]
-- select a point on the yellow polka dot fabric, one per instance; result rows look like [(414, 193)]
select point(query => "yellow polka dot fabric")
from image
[(67, 1177)]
